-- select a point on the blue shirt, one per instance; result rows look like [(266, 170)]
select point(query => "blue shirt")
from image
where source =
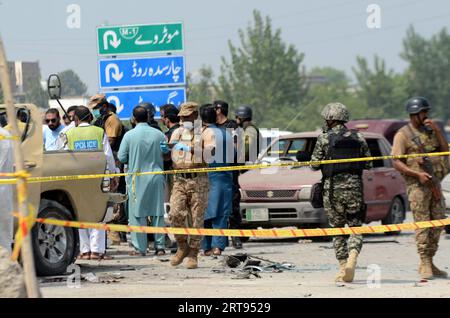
[(50, 137)]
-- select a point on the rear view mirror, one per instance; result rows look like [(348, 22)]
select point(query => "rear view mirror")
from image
[(54, 86)]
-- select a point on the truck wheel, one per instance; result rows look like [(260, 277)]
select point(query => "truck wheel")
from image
[(54, 246), (396, 215)]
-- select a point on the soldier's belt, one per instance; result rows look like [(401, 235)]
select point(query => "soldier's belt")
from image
[(13, 176)]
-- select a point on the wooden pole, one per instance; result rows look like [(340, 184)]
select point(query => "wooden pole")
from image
[(26, 250)]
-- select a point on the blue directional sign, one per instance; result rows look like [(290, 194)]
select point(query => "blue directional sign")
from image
[(139, 72), (125, 101)]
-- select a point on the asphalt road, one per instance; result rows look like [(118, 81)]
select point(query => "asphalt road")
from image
[(387, 267)]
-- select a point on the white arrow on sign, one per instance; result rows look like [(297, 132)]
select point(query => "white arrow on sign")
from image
[(171, 95), (117, 74), (116, 101), (115, 42)]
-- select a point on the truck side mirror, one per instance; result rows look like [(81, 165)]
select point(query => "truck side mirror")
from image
[(54, 86)]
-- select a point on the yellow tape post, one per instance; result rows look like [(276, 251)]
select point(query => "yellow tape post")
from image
[(228, 168), (250, 233)]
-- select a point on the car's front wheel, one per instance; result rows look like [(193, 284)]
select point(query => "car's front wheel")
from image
[(396, 215), (54, 246)]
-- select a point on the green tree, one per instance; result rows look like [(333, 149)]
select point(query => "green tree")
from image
[(35, 94), (382, 90), (265, 73), (335, 78), (202, 89), (428, 73), (334, 86), (71, 84)]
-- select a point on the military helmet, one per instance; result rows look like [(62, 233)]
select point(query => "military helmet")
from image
[(416, 104), (336, 111), (244, 112)]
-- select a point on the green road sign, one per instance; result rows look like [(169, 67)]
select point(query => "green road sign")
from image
[(135, 39)]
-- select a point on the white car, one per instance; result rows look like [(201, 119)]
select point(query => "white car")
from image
[(446, 192)]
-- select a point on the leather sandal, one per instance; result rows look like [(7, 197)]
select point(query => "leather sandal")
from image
[(207, 252), (98, 256), (84, 256), (160, 252), (136, 253)]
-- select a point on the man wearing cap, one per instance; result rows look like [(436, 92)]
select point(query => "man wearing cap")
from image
[(190, 190), (106, 119), (423, 184)]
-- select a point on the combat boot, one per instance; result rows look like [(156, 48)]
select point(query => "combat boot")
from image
[(437, 272), (182, 252), (192, 261), (350, 267), (340, 275), (425, 269)]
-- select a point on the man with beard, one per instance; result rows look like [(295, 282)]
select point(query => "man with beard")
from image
[(51, 129)]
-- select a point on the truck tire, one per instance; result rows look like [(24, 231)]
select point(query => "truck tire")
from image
[(54, 246), (396, 215)]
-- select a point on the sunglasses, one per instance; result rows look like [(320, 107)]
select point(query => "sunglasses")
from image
[(54, 120)]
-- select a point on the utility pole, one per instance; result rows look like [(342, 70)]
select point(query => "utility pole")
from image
[(26, 250)]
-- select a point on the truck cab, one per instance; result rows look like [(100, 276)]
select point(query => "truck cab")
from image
[(88, 200)]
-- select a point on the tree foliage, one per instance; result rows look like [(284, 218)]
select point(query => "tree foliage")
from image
[(35, 93), (201, 88), (428, 72), (263, 72), (71, 84), (382, 90)]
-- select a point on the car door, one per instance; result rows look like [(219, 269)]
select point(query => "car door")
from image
[(380, 183)]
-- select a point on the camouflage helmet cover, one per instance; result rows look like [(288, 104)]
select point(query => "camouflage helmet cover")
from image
[(336, 111)]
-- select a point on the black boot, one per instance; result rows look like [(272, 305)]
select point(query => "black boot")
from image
[(237, 244)]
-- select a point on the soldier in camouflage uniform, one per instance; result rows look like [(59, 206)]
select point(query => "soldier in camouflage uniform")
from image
[(342, 191), (424, 192), (189, 197)]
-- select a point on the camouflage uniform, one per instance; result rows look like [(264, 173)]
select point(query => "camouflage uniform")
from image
[(344, 202), (423, 204), (189, 198)]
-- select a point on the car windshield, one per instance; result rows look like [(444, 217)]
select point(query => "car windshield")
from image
[(287, 147)]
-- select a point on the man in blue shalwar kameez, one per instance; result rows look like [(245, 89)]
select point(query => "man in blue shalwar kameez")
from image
[(140, 149), (220, 195)]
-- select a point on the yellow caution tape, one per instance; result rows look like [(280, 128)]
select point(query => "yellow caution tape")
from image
[(25, 225), (3, 137), (228, 168), (250, 233)]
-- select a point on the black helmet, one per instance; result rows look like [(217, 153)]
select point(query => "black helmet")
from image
[(149, 107), (416, 104), (244, 112)]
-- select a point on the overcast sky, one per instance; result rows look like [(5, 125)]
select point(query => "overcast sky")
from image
[(329, 32)]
